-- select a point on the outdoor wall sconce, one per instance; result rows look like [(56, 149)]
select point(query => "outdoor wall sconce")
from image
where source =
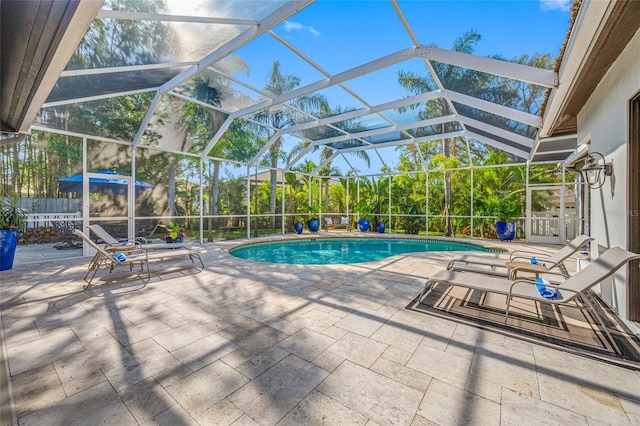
[(595, 173)]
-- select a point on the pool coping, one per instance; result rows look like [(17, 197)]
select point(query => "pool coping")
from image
[(300, 237)]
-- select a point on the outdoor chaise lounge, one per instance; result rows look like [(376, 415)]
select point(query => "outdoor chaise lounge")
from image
[(574, 287), (112, 243), (130, 257), (520, 260)]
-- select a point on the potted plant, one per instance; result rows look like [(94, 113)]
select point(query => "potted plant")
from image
[(174, 233), (12, 220), (364, 211), (298, 226), (313, 222), (506, 209)]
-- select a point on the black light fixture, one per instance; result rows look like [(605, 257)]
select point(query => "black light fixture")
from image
[(594, 171)]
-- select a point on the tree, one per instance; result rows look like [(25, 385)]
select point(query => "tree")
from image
[(325, 152), (116, 42), (375, 194), (408, 195), (451, 77), (496, 89), (208, 88), (237, 142), (280, 117), (493, 185), (44, 157)]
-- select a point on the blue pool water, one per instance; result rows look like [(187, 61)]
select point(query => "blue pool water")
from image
[(332, 251)]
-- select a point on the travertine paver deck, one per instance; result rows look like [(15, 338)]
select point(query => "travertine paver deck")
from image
[(247, 343)]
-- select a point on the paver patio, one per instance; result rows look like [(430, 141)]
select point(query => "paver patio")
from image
[(252, 343)]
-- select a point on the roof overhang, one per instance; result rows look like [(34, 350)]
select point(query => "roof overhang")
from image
[(554, 149), (38, 38), (601, 31)]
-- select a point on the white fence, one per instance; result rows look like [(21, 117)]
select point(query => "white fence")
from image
[(45, 205), (35, 220)]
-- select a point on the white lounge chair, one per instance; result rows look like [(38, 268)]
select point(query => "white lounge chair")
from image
[(112, 243), (604, 266), (130, 257), (519, 261)]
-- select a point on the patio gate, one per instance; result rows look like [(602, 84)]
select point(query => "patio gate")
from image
[(551, 219)]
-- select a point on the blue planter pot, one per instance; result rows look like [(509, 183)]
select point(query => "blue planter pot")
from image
[(174, 240), (298, 227), (313, 225), (506, 231), (381, 227), (8, 243), (364, 225)]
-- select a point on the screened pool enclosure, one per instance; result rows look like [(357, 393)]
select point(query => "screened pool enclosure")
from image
[(242, 118)]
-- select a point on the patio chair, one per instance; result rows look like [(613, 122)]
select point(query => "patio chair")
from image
[(130, 257), (335, 222), (569, 290), (520, 261), (344, 221), (112, 243)]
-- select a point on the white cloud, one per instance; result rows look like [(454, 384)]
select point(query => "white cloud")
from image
[(290, 26), (562, 5)]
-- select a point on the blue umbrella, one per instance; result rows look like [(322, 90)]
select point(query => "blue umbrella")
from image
[(106, 185)]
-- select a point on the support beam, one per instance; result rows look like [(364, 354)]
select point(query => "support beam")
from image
[(324, 163), (504, 147), (298, 157), (500, 110), (384, 130), (129, 68), (281, 14), (264, 149), (423, 97), (97, 97), (506, 134), (506, 69), (217, 136), (78, 135), (142, 16), (384, 62), (406, 141), (147, 118)]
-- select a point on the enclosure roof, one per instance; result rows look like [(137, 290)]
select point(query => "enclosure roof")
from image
[(350, 54)]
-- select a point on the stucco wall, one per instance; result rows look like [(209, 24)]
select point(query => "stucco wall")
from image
[(604, 121)]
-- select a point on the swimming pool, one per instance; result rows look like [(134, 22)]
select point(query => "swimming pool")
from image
[(333, 251)]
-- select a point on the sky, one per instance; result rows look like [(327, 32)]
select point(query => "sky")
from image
[(338, 35)]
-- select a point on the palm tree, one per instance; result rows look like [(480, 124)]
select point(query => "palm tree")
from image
[(281, 117), (377, 195), (350, 126), (210, 88), (454, 78), (524, 96), (179, 132)]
